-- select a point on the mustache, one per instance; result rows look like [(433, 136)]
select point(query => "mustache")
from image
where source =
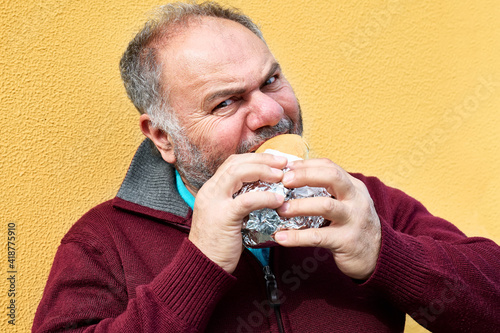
[(285, 125)]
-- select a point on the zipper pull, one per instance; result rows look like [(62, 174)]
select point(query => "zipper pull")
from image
[(271, 286)]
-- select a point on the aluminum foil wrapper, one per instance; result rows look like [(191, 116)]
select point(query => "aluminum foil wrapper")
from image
[(260, 226)]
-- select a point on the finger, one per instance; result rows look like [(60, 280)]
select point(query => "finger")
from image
[(320, 173), (278, 162), (246, 203), (330, 208), (310, 163), (314, 237), (236, 175), (232, 163)]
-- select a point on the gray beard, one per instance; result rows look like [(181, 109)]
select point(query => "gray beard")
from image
[(197, 167)]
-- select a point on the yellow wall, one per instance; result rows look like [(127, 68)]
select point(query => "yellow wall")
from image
[(393, 88)]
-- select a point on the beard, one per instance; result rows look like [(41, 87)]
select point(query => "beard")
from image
[(197, 166)]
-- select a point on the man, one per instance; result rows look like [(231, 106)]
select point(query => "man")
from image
[(166, 254)]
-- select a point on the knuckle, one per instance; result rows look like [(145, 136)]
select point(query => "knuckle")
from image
[(230, 161), (231, 170), (231, 158), (365, 203), (360, 186), (244, 204), (358, 183), (326, 161), (316, 239), (329, 164), (339, 175), (329, 204), (336, 174)]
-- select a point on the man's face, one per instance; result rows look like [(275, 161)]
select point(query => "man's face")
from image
[(229, 95)]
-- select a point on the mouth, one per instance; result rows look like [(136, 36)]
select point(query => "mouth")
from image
[(257, 146), (254, 149)]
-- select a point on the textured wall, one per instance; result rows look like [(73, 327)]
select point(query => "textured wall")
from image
[(406, 90)]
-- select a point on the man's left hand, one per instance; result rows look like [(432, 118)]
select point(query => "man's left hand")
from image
[(353, 235)]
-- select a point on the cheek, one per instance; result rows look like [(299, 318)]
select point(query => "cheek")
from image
[(219, 134), (230, 134), (286, 98), (201, 130)]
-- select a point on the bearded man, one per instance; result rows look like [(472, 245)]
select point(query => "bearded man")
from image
[(166, 254)]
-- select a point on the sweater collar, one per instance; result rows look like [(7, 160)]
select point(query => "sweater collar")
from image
[(149, 188)]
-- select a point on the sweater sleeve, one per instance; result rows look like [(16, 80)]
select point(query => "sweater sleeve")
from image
[(84, 295), (444, 280)]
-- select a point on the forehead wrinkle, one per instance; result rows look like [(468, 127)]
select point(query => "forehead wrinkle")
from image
[(200, 74)]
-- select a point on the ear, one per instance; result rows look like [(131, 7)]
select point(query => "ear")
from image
[(161, 139)]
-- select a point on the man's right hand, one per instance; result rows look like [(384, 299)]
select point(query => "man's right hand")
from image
[(218, 217)]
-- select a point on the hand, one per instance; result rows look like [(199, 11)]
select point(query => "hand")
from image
[(218, 217), (353, 235)]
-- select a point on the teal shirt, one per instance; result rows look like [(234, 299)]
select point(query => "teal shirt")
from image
[(261, 254), (183, 191)]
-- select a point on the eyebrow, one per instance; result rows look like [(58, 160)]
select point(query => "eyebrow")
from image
[(237, 91)]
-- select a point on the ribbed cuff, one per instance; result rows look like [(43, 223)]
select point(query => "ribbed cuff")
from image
[(401, 272), (192, 285)]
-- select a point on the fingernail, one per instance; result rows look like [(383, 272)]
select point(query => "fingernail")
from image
[(280, 159), (277, 172), (279, 197), (284, 207), (288, 177), (280, 236)]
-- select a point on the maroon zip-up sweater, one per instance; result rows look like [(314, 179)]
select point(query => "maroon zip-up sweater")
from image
[(127, 266)]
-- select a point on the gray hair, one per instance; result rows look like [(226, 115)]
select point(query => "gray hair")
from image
[(140, 68)]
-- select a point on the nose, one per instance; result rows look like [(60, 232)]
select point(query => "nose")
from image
[(263, 111)]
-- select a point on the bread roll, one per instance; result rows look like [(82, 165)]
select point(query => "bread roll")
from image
[(291, 144)]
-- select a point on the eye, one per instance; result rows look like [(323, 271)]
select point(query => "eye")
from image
[(225, 103), (271, 80)]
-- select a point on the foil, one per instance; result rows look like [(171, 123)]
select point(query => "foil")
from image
[(260, 225)]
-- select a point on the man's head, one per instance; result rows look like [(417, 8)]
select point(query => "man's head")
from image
[(207, 86)]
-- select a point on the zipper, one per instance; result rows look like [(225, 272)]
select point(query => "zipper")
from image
[(271, 287), (272, 295)]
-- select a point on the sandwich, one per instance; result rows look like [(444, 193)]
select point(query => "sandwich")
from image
[(260, 226)]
